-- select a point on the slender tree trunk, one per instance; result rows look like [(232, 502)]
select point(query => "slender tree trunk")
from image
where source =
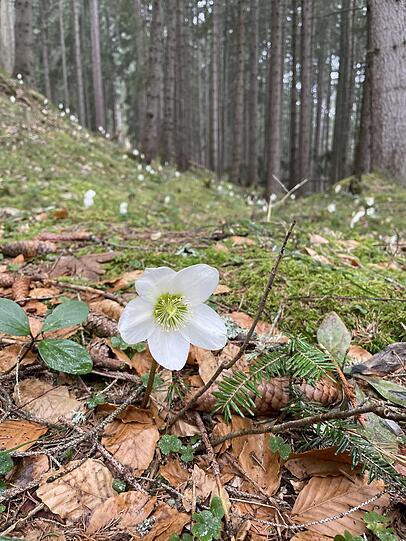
[(7, 36), (294, 150), (236, 172), (253, 98), (78, 61), (320, 88), (168, 150), (275, 98), (43, 7), (140, 66), (305, 91), (96, 64), (215, 108), (180, 145), (63, 53), (24, 42), (326, 142)]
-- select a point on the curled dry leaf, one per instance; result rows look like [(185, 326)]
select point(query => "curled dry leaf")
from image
[(320, 462), (167, 521), (132, 444), (327, 496), (204, 484), (46, 401), (263, 328), (309, 536), (87, 266), (125, 280), (357, 354), (241, 241), (107, 307), (221, 289), (174, 472), (41, 530), (322, 259), (9, 356), (29, 468), (128, 509), (79, 491), (14, 433)]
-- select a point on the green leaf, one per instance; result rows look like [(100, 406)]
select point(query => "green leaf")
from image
[(169, 444), (3, 486), (216, 507), (391, 391), (8, 538), (158, 381), (65, 315), (207, 527), (119, 485), (65, 356), (95, 400), (334, 336), (279, 446), (6, 462), (13, 319), (187, 453), (347, 536)]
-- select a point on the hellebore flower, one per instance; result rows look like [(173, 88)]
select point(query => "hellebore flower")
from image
[(169, 313)]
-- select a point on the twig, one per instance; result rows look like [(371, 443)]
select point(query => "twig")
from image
[(121, 470), (21, 520), (150, 384), (228, 364), (281, 201), (369, 407)]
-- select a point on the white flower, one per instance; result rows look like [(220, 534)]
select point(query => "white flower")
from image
[(148, 168), (293, 196), (357, 217), (12, 99), (371, 211), (88, 198), (273, 197), (337, 188), (136, 152), (177, 174), (169, 313), (167, 199), (139, 167), (123, 208), (370, 201), (141, 177), (331, 207)]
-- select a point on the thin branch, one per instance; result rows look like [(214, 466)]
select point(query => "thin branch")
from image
[(225, 365)]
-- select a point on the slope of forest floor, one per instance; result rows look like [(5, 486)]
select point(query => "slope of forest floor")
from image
[(347, 254)]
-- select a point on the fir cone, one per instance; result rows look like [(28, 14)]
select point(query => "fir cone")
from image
[(28, 248), (21, 288), (99, 352), (6, 279), (101, 325)]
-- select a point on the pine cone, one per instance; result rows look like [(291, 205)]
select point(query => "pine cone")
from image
[(21, 288), (101, 325), (99, 353), (28, 248), (6, 279)]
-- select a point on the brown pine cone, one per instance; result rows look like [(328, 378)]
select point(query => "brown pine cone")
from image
[(101, 325), (21, 288), (6, 279), (28, 248)]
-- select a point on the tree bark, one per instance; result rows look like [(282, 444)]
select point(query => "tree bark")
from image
[(236, 172), (275, 98), (215, 102), (253, 98), (305, 91), (168, 150), (24, 42), (43, 7), (7, 36), (63, 54), (96, 65), (294, 150), (78, 61)]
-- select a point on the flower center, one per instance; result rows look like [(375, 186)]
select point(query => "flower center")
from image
[(170, 311)]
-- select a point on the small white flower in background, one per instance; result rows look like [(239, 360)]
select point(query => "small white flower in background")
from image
[(19, 76), (123, 208), (45, 101), (273, 197), (337, 189), (60, 105), (169, 313), (142, 156), (139, 167), (332, 207), (357, 217), (67, 110), (148, 168), (167, 199), (136, 152), (177, 174), (88, 198), (141, 177), (62, 113), (159, 167), (370, 211), (12, 99), (293, 196), (370, 201), (152, 172)]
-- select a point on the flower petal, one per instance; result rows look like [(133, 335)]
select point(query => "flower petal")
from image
[(169, 349), (137, 322), (205, 328), (196, 282), (153, 282)]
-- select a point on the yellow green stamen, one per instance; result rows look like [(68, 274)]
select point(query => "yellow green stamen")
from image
[(170, 311)]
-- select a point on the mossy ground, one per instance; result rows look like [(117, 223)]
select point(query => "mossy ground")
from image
[(47, 163)]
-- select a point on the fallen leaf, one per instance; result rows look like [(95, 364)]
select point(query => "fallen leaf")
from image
[(319, 462), (184, 429), (327, 496), (128, 509), (318, 239), (87, 266), (78, 492), (167, 521), (155, 236), (46, 401), (9, 355), (309, 536), (41, 530), (174, 472), (204, 484), (141, 362), (221, 289), (208, 363), (107, 307), (358, 354), (36, 307), (263, 327), (39, 292), (334, 336), (125, 280), (318, 257), (242, 241), (132, 444), (14, 433), (28, 469)]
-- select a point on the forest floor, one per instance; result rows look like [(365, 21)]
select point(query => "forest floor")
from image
[(54, 248)]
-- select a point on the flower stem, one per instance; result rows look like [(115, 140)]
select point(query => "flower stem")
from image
[(150, 384)]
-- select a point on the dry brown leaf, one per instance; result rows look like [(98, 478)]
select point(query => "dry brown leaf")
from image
[(167, 521), (221, 289), (327, 496), (39, 292), (128, 509), (220, 247), (107, 307), (358, 354), (9, 355), (184, 429), (46, 401), (349, 260), (204, 484), (41, 530), (132, 444), (242, 241), (320, 462), (318, 257), (174, 472), (309, 536), (78, 492), (87, 266), (255, 458), (141, 362), (125, 280), (13, 433), (30, 468), (262, 328), (36, 307), (318, 239), (208, 363)]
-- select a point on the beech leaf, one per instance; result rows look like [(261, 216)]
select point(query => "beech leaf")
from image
[(334, 336)]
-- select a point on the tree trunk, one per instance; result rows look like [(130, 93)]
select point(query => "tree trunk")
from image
[(236, 172), (294, 150), (215, 102), (43, 8), (320, 88), (78, 61), (342, 121), (180, 130), (275, 98), (7, 36), (305, 91), (24, 42), (140, 67), (253, 98), (63, 54), (168, 150), (149, 140), (96, 64)]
